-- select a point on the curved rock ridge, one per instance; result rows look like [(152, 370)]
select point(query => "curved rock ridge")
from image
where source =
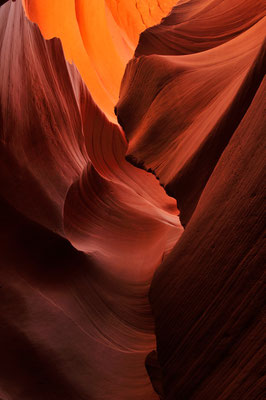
[(198, 25), (186, 108), (81, 317), (100, 57), (114, 200)]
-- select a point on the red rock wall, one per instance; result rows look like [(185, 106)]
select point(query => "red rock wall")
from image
[(97, 270)]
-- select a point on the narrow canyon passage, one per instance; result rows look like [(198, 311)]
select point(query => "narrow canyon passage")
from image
[(112, 120)]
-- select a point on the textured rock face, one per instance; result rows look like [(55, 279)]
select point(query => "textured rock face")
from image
[(207, 297), (96, 268), (191, 105), (199, 123)]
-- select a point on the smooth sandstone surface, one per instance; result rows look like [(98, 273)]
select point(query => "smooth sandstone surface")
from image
[(75, 318), (107, 290)]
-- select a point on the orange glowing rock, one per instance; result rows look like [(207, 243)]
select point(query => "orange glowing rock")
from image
[(99, 36)]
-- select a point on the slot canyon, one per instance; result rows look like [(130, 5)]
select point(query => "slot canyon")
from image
[(132, 159)]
